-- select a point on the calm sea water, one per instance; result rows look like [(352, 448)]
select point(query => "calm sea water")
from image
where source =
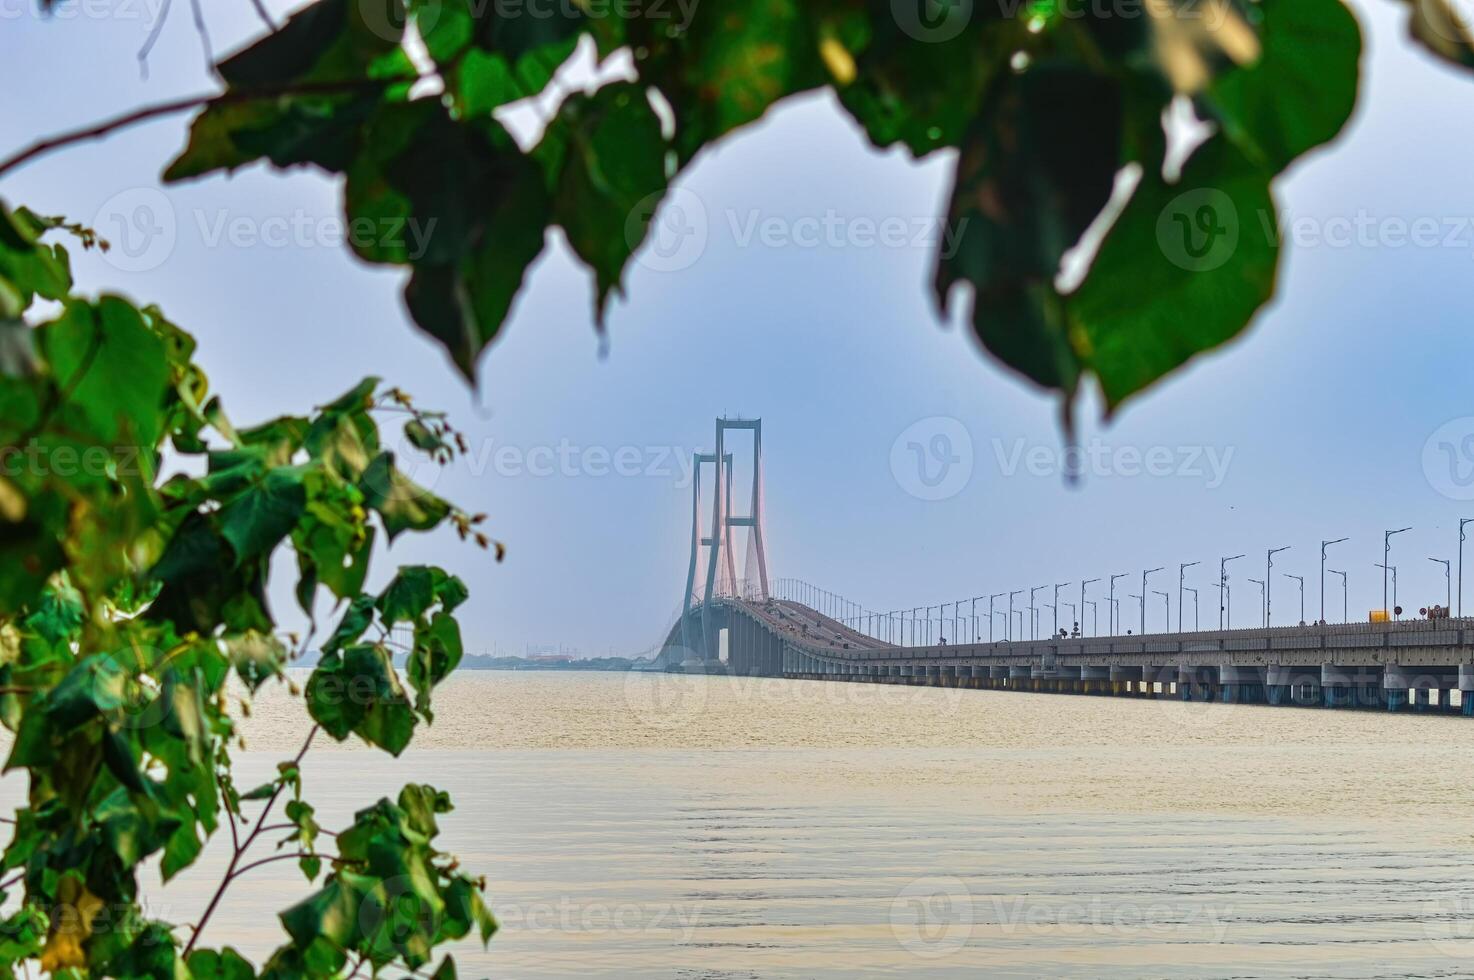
[(670, 826)]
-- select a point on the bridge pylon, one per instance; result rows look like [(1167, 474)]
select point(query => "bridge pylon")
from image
[(721, 570)]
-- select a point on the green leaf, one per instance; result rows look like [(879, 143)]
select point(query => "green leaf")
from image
[(436, 653), (358, 691), (462, 205), (400, 502), (339, 56), (1183, 269), (256, 656), (732, 62), (612, 166), (924, 93), (225, 964), (256, 521), (113, 367), (1302, 89), (359, 617), (1035, 171), (415, 589)]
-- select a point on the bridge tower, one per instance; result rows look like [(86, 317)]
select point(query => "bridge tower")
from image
[(720, 557)]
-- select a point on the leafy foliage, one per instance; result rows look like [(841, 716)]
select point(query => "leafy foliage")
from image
[(133, 607), (1047, 104)]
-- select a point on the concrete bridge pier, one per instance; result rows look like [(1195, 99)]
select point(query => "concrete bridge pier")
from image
[(1122, 680), (1351, 687), (997, 677), (1019, 678), (1397, 683), (1466, 690), (1278, 684), (1164, 676), (1197, 683), (1096, 680), (1241, 685)]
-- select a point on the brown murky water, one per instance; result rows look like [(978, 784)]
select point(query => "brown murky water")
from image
[(659, 825)]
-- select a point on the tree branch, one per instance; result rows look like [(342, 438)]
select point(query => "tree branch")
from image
[(231, 870), (109, 126)]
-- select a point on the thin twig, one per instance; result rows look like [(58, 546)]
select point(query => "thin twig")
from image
[(154, 31), (261, 12), (203, 31), (176, 106), (235, 858), (275, 857)]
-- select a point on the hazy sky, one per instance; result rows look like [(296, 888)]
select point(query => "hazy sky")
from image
[(1313, 426)]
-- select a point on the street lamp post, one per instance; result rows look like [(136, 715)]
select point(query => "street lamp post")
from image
[(1323, 546), (1094, 617), (1195, 609), (1262, 591), (1386, 560), (1345, 610), (1008, 631), (1057, 587), (1393, 569), (1181, 575), (1167, 602), (996, 595), (1114, 613), (1033, 614), (1144, 574), (1448, 587), (1462, 522), (1301, 580), (1073, 620), (1223, 591), (1269, 577), (1084, 583), (1133, 595)]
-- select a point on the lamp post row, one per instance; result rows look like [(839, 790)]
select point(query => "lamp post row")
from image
[(892, 625)]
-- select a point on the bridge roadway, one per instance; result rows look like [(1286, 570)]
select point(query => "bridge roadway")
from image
[(1417, 664)]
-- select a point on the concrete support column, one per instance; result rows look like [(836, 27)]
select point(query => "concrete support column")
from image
[(1241, 685), (1352, 687), (1095, 680), (1122, 679)]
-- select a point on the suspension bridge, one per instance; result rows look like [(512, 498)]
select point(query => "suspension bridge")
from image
[(741, 623)]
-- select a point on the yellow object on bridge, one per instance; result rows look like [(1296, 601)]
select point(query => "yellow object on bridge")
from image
[(1379, 616)]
